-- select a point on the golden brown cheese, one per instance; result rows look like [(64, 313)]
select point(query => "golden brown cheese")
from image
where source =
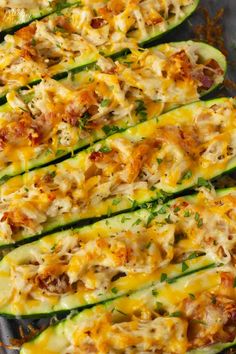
[(90, 260), (192, 313)]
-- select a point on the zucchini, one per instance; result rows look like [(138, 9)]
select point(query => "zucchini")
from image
[(167, 239), (167, 310), (215, 348), (193, 143), (46, 98), (15, 18), (29, 55)]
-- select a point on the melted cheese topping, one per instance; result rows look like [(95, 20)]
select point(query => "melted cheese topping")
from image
[(77, 36), (194, 141), (142, 323), (96, 260), (55, 118)]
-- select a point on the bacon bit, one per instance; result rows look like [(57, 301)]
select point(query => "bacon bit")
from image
[(98, 22), (205, 81), (212, 30), (96, 156), (27, 33), (181, 64)]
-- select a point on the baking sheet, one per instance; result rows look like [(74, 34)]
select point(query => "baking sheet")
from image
[(11, 328)]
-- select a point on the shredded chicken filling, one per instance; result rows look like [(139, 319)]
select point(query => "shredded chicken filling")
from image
[(202, 319), (178, 232), (61, 39)]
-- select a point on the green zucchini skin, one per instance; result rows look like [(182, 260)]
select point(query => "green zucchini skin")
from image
[(59, 330), (153, 37), (107, 227), (33, 15), (205, 52), (125, 204), (214, 349)]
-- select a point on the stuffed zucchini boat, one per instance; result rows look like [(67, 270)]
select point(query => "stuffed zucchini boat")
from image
[(79, 35), (54, 118), (192, 314), (112, 257), (144, 163), (18, 13)]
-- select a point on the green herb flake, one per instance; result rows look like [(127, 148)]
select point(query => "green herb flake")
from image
[(116, 201), (187, 175), (201, 182), (105, 149), (176, 314), (105, 102), (114, 290), (162, 210), (163, 277), (141, 110), (176, 209), (159, 161), (148, 245), (192, 296), (154, 292), (108, 130), (137, 222), (184, 267), (187, 214), (159, 305)]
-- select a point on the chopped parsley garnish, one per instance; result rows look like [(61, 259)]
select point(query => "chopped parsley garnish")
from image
[(162, 210), (108, 130), (52, 174), (187, 214), (192, 296), (148, 245), (184, 266), (114, 290), (154, 292), (105, 102), (116, 201), (105, 149), (187, 175), (176, 314), (137, 222), (198, 219), (201, 182), (141, 110), (159, 305), (163, 277), (159, 161)]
